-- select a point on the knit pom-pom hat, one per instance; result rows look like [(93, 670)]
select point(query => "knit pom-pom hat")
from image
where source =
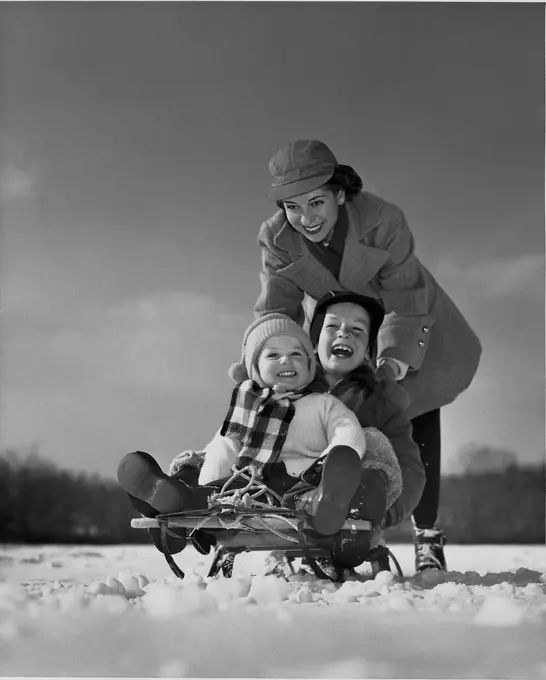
[(255, 337)]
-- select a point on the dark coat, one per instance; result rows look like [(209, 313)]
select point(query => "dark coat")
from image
[(422, 326), (382, 404)]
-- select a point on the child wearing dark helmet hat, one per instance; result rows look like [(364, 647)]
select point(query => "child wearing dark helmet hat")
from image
[(343, 330), (287, 431)]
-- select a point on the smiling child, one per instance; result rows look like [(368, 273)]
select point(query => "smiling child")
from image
[(286, 430)]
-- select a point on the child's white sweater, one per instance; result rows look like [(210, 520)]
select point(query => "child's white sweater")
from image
[(321, 421)]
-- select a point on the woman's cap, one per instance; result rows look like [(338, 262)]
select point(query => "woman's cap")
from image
[(299, 167), (371, 305), (255, 337)]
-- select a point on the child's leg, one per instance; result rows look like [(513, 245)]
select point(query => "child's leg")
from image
[(369, 503), (176, 543), (141, 477), (380, 455), (329, 502), (277, 478), (370, 500), (152, 492), (380, 485), (380, 480)]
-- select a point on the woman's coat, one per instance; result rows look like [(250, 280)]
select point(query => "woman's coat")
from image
[(422, 326)]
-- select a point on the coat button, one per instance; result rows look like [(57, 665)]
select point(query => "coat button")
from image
[(421, 343), (425, 329)]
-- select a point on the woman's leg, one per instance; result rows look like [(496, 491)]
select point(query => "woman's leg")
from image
[(427, 436), (428, 538)]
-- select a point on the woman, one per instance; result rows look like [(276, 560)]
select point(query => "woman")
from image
[(329, 235)]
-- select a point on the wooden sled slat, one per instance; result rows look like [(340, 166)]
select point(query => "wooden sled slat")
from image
[(247, 523)]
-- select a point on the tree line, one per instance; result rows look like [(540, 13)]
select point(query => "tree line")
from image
[(499, 506), (42, 503)]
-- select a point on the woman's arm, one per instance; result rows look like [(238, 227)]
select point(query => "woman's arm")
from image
[(278, 294), (405, 290)]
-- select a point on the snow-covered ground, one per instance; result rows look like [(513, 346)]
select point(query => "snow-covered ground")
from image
[(119, 611)]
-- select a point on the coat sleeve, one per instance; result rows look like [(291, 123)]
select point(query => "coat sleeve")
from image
[(391, 418), (405, 292), (342, 427), (278, 293), (220, 455)]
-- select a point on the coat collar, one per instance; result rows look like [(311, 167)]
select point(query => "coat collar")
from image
[(360, 262)]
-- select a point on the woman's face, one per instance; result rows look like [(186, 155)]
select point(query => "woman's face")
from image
[(344, 339), (314, 214)]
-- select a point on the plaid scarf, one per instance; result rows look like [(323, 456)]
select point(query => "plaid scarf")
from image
[(258, 419)]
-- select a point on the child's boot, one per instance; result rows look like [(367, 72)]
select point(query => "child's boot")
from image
[(379, 556), (176, 538), (141, 476), (370, 499), (351, 547), (329, 503)]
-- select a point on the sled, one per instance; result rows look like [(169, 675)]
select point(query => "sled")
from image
[(244, 529), (237, 521)]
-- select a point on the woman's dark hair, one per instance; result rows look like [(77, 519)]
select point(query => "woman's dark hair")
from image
[(348, 179), (345, 178)]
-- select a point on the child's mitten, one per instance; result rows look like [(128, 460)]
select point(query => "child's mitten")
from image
[(187, 465)]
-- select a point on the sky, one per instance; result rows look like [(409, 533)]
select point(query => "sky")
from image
[(135, 141)]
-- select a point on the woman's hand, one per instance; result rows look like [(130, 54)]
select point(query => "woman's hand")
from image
[(388, 370)]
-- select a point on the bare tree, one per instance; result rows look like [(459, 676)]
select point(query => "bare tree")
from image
[(476, 458)]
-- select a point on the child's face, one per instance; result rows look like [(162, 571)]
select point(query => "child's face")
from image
[(344, 338), (283, 363)]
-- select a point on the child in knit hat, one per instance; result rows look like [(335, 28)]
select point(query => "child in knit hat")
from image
[(284, 429)]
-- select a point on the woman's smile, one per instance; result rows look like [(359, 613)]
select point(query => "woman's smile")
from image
[(303, 211), (314, 229)]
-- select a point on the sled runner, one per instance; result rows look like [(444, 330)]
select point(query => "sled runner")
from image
[(236, 521)]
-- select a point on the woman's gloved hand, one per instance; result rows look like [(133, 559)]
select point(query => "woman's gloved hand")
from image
[(388, 370)]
